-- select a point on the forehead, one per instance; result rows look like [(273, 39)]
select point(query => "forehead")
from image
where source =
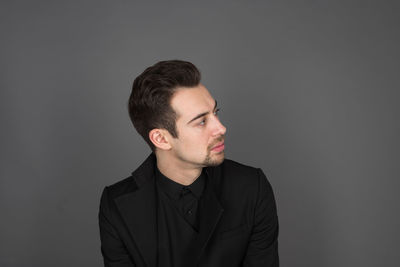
[(189, 102)]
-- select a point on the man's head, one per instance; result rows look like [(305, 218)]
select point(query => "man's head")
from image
[(175, 113)]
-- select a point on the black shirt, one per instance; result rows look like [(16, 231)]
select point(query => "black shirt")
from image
[(184, 198), (178, 222)]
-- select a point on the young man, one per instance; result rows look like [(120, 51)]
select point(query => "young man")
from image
[(185, 205)]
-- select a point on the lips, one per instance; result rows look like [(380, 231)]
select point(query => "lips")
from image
[(219, 144)]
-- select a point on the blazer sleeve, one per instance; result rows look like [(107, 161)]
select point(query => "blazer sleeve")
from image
[(263, 245), (113, 249)]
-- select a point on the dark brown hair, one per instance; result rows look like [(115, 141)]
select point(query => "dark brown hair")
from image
[(152, 91)]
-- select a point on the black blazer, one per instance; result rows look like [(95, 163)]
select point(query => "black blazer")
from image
[(238, 227)]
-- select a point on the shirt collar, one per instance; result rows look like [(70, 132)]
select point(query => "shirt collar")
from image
[(174, 189)]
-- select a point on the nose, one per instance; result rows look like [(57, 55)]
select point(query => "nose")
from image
[(220, 129)]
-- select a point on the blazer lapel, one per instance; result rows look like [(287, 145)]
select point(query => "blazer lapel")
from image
[(138, 209)]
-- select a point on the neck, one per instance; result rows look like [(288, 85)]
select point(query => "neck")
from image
[(176, 170)]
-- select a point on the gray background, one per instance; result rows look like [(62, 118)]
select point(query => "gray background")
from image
[(309, 92)]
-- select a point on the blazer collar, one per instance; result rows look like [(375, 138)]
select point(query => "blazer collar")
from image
[(138, 209)]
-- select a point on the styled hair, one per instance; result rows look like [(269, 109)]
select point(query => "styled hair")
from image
[(149, 103)]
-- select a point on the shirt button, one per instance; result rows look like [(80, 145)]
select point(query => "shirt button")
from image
[(189, 212)]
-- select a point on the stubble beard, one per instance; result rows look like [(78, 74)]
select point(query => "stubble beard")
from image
[(212, 162)]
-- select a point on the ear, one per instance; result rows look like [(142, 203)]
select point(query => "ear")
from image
[(159, 138)]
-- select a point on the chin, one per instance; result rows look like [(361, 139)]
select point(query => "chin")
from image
[(214, 161)]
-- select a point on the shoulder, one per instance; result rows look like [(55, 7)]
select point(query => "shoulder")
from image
[(140, 176), (238, 176), (121, 187), (238, 172), (232, 166)]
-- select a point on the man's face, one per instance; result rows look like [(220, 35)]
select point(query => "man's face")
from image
[(200, 133)]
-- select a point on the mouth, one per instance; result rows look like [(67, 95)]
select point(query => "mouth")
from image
[(219, 147), (219, 144)]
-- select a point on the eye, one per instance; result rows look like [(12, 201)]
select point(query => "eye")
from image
[(202, 122), (216, 111)]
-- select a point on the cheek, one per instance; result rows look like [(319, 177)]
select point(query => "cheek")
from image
[(194, 136), (195, 139)]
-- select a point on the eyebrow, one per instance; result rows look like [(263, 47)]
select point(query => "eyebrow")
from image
[(203, 114)]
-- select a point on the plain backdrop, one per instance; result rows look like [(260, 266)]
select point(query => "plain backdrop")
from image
[(308, 90)]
